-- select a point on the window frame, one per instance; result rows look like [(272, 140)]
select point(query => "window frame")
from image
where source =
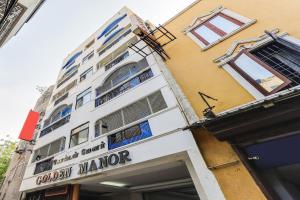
[(89, 70), (76, 133), (90, 93), (62, 147), (228, 14), (214, 28), (247, 77)]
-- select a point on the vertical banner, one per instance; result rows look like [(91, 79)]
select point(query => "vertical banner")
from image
[(29, 126)]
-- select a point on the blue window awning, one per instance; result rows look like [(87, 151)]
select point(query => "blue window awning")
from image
[(72, 59), (111, 25)]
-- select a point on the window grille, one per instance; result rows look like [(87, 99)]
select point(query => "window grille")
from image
[(43, 166), (282, 59), (130, 113)]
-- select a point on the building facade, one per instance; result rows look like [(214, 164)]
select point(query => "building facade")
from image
[(14, 14), (114, 126), (237, 62), (19, 160)]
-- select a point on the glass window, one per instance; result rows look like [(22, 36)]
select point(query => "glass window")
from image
[(83, 98), (215, 28), (85, 75), (263, 77), (49, 149), (79, 135), (131, 113), (129, 135), (88, 57)]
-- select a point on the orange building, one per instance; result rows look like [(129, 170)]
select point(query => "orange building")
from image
[(242, 54)]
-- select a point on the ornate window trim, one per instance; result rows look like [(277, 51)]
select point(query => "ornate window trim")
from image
[(221, 10)]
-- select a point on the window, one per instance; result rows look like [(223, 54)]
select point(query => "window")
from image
[(122, 80), (103, 49), (43, 166), (209, 30), (131, 113), (65, 90), (88, 57), (49, 149), (67, 76), (269, 68), (129, 135), (83, 97), (79, 135), (216, 28), (58, 118), (88, 73)]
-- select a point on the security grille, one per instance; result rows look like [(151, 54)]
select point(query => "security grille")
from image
[(136, 111), (43, 166), (284, 60), (131, 113), (157, 102)]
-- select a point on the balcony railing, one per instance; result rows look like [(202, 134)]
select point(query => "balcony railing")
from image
[(117, 60), (59, 120), (124, 87), (60, 99)]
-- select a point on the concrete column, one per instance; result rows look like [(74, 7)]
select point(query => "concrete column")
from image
[(203, 179), (75, 191)]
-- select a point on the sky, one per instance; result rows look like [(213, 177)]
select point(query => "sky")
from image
[(35, 55)]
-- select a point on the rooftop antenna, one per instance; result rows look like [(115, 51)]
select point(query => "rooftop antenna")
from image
[(207, 112)]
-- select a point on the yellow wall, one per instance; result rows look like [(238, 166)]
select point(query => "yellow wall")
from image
[(195, 71)]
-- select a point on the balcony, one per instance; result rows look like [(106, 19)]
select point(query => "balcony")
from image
[(119, 89), (60, 99), (117, 60), (57, 120)]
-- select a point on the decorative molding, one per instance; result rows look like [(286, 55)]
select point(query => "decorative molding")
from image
[(199, 19), (239, 45)]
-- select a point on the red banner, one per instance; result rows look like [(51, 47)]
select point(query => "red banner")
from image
[(29, 126)]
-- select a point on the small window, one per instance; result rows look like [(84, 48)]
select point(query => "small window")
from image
[(88, 73), (88, 57), (49, 149), (129, 135), (262, 76), (79, 135), (83, 98), (208, 31), (216, 28)]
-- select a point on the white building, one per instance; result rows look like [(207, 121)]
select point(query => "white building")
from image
[(14, 14), (114, 127)]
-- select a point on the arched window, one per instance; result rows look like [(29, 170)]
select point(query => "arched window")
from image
[(58, 113), (123, 79)]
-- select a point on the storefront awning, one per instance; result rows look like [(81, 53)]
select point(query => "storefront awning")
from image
[(271, 116)]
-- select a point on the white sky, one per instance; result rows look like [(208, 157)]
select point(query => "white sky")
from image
[(35, 55)]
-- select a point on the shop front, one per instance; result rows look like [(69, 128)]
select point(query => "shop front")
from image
[(266, 136), (140, 171)]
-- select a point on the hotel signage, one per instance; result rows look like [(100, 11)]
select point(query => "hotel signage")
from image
[(84, 151), (54, 176), (113, 159), (121, 157)]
